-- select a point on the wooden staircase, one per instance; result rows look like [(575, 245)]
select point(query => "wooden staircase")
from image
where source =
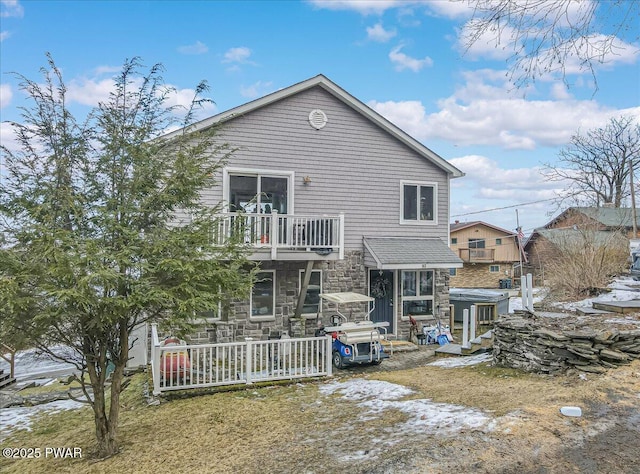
[(5, 379), (482, 343)]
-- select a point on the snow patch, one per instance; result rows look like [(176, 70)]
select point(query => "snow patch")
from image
[(21, 418), (423, 415), (451, 362)]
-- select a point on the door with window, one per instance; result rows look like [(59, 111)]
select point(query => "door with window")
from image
[(381, 288), (257, 194)]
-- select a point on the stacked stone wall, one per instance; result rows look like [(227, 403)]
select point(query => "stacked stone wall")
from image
[(534, 345)]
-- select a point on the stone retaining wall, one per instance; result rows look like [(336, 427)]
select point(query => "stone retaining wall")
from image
[(535, 345)]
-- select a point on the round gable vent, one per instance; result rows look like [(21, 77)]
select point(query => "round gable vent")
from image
[(317, 119)]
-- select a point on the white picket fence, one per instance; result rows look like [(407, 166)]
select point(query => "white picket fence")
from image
[(182, 367)]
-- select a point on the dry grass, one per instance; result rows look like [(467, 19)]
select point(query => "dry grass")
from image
[(295, 429)]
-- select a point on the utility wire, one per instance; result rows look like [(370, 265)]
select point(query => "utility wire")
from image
[(504, 207)]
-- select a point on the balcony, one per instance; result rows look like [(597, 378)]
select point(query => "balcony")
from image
[(284, 236), (476, 255)]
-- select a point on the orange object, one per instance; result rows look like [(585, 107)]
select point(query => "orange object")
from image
[(174, 364), (264, 239)]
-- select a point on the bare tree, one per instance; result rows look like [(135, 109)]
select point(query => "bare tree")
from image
[(554, 36), (579, 262), (598, 164)]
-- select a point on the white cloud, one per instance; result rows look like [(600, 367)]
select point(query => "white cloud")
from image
[(238, 55), (8, 137), (621, 53), (5, 95), (482, 113), (4, 35), (448, 9), (364, 7), (488, 45), (378, 34), (182, 98), (11, 8), (496, 182), (195, 48), (89, 91), (257, 89), (402, 61)]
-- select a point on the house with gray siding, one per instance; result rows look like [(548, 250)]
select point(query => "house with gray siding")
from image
[(333, 197)]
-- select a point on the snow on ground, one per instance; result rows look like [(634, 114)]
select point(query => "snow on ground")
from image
[(622, 289), (30, 364), (41, 369), (451, 362), (424, 415), (21, 418)]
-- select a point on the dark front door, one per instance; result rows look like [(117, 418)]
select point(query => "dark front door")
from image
[(381, 288)]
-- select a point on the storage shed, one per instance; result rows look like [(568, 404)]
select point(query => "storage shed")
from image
[(489, 303)]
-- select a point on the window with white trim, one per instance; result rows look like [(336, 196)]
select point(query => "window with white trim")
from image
[(311, 306), (263, 296), (494, 268), (453, 272), (258, 193), (211, 315), (418, 201), (417, 292)]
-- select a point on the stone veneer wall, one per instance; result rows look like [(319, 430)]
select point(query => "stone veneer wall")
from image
[(530, 344), (338, 276), (478, 275)]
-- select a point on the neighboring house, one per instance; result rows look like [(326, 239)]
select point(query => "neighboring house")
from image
[(490, 255), (334, 192), (600, 218), (571, 227)]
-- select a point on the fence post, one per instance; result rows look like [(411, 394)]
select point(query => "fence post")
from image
[(465, 328), (155, 359), (248, 359), (473, 317), (274, 236), (329, 354), (530, 291)]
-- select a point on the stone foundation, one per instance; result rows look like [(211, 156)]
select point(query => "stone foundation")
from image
[(349, 274), (555, 345)]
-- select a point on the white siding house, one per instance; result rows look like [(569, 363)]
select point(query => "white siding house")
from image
[(332, 187)]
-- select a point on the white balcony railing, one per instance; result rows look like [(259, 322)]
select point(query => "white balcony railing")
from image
[(283, 231)]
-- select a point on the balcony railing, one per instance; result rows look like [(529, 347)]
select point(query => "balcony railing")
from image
[(476, 255), (276, 232)]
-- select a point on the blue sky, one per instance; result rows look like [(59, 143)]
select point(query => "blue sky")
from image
[(404, 59)]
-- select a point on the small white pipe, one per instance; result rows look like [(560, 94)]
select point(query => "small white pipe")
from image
[(465, 328), (473, 323)]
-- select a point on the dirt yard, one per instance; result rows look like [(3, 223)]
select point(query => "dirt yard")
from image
[(425, 419)]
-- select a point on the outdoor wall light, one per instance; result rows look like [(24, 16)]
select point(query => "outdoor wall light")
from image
[(306, 180)]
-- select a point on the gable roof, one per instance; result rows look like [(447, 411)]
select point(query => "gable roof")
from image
[(561, 237), (457, 226), (607, 216), (342, 95)]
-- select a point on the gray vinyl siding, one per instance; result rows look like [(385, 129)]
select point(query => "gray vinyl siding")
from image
[(355, 166)]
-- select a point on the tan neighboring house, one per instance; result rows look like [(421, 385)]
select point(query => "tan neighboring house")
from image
[(489, 254)]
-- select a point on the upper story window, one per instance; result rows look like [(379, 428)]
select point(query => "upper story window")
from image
[(454, 240), (418, 203), (258, 192), (476, 243), (498, 241)]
